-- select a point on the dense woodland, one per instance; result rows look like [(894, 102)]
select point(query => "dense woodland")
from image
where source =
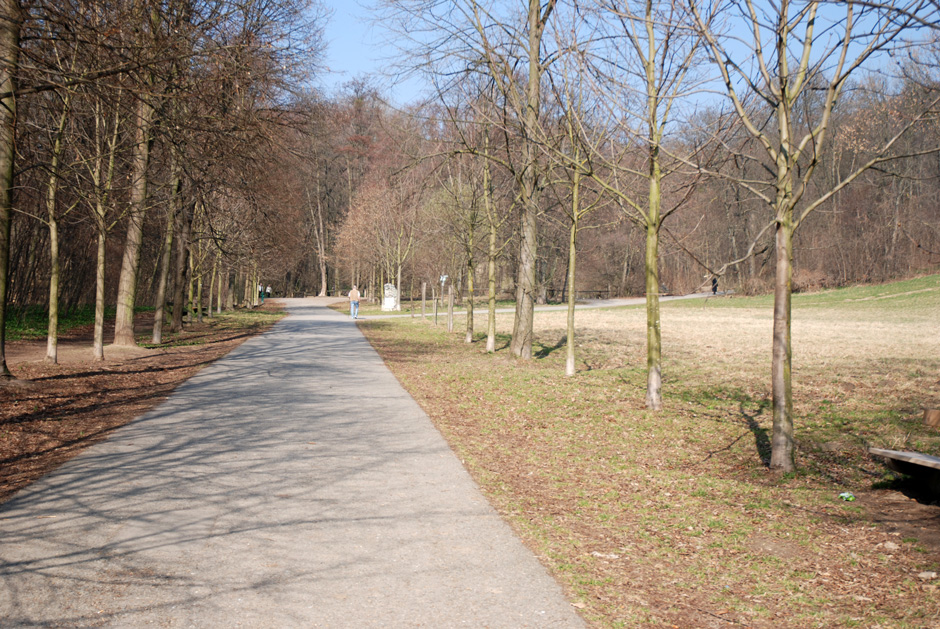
[(177, 153)]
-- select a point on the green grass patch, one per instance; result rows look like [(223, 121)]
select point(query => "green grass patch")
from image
[(32, 322)]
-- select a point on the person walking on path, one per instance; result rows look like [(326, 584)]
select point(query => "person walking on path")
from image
[(354, 302)]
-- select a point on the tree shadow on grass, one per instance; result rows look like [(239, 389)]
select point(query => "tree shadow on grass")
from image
[(546, 350), (761, 439)]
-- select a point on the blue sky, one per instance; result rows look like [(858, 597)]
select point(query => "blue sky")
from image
[(354, 49)]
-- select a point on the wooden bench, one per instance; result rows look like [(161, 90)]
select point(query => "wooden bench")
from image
[(921, 466)]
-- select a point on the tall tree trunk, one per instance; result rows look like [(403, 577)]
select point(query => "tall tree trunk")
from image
[(782, 455), (198, 304), (191, 297), (524, 321), (654, 358), (321, 241), (491, 290), (130, 263), (185, 218), (52, 331), (398, 288), (251, 288), (450, 308), (55, 266), (424, 297), (101, 223), (11, 17), (526, 282), (232, 282), (159, 310), (98, 343), (214, 280), (572, 295), (492, 250), (469, 336), (171, 223)]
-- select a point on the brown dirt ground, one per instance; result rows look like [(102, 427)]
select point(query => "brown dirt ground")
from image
[(50, 412)]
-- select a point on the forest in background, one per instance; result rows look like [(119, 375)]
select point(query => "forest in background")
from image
[(251, 172), (176, 154)]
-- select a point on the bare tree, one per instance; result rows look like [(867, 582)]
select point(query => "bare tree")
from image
[(644, 66), (463, 215), (452, 40), (794, 61), (11, 20), (576, 133)]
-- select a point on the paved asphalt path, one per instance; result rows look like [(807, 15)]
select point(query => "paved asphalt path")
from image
[(293, 483)]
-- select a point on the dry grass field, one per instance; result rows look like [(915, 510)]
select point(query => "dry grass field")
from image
[(672, 518)]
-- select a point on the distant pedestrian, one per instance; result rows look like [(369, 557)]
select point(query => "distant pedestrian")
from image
[(354, 302), (268, 291), (714, 285), (261, 293)]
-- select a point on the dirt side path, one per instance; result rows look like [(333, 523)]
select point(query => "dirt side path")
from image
[(53, 411)]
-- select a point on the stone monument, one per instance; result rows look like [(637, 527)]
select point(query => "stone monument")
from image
[(391, 298)]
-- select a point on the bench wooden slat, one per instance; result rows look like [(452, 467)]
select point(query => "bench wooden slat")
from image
[(908, 457)]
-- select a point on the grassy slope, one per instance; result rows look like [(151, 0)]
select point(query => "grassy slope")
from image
[(672, 518)]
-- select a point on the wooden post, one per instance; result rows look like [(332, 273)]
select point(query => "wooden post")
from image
[(450, 308), (435, 311)]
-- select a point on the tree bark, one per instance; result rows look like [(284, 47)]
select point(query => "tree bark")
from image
[(450, 308), (492, 251), (11, 17), (469, 336), (190, 300), (52, 330), (654, 352), (130, 262), (185, 218), (654, 358), (521, 345), (55, 267), (398, 288), (159, 311), (321, 242), (572, 258), (231, 283), (98, 343), (217, 285), (197, 305), (782, 456)]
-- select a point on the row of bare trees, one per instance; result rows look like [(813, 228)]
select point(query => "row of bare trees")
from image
[(149, 118), (610, 146), (643, 111)]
